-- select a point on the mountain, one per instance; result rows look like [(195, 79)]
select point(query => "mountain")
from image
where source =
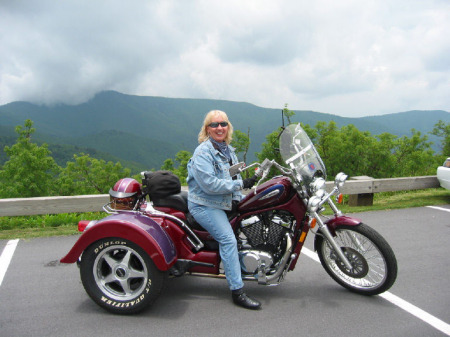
[(144, 131)]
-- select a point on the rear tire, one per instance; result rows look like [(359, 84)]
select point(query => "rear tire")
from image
[(119, 276), (374, 264)]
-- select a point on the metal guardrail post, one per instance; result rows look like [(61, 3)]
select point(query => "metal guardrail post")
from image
[(361, 199)]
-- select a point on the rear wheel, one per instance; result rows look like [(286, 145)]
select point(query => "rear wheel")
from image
[(374, 266), (119, 276)]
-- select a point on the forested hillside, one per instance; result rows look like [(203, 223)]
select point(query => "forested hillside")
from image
[(31, 170), (142, 132)]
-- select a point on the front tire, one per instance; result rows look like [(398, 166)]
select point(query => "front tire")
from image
[(119, 276), (374, 264)]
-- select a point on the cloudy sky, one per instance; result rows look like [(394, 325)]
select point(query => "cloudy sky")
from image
[(348, 57)]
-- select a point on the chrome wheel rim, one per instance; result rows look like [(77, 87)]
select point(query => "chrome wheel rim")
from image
[(369, 267), (120, 273)]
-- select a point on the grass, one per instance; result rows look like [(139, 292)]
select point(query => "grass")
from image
[(403, 199), (24, 227)]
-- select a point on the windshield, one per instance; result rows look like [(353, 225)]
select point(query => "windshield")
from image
[(299, 153)]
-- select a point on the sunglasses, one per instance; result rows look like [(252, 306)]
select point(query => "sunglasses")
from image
[(215, 124)]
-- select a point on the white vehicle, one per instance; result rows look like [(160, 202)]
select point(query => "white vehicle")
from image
[(443, 174)]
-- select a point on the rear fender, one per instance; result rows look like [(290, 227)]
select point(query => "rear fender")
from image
[(137, 228), (335, 222)]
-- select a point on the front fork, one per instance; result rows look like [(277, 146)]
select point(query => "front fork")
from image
[(327, 234)]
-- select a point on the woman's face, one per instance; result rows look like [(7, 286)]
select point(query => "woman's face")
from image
[(219, 133)]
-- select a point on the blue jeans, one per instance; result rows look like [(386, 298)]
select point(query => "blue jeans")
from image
[(215, 221)]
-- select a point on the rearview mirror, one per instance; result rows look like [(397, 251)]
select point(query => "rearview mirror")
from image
[(236, 169)]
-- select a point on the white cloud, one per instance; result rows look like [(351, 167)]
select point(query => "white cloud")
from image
[(349, 57)]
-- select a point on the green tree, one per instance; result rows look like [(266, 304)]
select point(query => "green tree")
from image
[(328, 143), (270, 150), (86, 175), (414, 156), (359, 153), (182, 158), (241, 143), (30, 170), (179, 165), (351, 151), (168, 165), (287, 113), (443, 130), (311, 132), (382, 160)]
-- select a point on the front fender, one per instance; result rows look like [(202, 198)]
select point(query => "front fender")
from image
[(341, 220), (137, 228), (335, 222)]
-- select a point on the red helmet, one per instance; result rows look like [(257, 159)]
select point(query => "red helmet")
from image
[(125, 193)]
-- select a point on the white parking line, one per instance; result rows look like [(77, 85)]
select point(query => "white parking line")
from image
[(6, 257), (408, 307), (439, 208), (419, 313)]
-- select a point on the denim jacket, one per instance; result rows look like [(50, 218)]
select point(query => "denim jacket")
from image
[(209, 180)]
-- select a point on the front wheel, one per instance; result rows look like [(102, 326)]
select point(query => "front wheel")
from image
[(119, 276), (374, 264)]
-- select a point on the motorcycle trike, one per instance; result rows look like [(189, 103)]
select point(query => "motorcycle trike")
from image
[(126, 258)]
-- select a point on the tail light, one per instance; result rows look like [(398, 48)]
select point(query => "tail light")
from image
[(83, 224)]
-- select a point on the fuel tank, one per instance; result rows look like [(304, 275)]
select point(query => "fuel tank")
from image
[(273, 192)]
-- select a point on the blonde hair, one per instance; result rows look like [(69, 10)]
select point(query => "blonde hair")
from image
[(203, 134)]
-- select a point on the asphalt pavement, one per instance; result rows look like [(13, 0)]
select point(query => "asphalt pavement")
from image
[(40, 297)]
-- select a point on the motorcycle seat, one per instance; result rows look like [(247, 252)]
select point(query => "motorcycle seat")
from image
[(176, 201), (179, 202)]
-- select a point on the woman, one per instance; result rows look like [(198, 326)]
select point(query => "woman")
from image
[(212, 191)]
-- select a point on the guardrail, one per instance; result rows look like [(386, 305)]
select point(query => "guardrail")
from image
[(357, 186)]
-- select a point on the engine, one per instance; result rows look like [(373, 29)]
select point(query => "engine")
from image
[(262, 239)]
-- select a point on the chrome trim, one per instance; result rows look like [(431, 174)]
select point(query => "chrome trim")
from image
[(198, 244), (329, 237), (277, 276), (150, 210), (270, 194), (273, 279)]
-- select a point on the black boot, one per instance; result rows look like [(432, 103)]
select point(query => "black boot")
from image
[(240, 298)]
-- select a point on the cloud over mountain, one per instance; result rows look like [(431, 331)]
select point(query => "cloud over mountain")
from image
[(350, 58)]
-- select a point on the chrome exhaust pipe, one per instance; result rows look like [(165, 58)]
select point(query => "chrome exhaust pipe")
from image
[(262, 278), (268, 280)]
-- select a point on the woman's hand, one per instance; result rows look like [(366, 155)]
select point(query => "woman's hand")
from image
[(249, 182)]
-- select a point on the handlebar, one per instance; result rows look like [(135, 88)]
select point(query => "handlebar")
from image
[(263, 170)]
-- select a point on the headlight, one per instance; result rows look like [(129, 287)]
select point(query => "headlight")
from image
[(314, 204), (318, 187), (340, 179)]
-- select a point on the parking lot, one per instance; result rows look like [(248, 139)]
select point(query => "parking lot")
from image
[(40, 297)]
